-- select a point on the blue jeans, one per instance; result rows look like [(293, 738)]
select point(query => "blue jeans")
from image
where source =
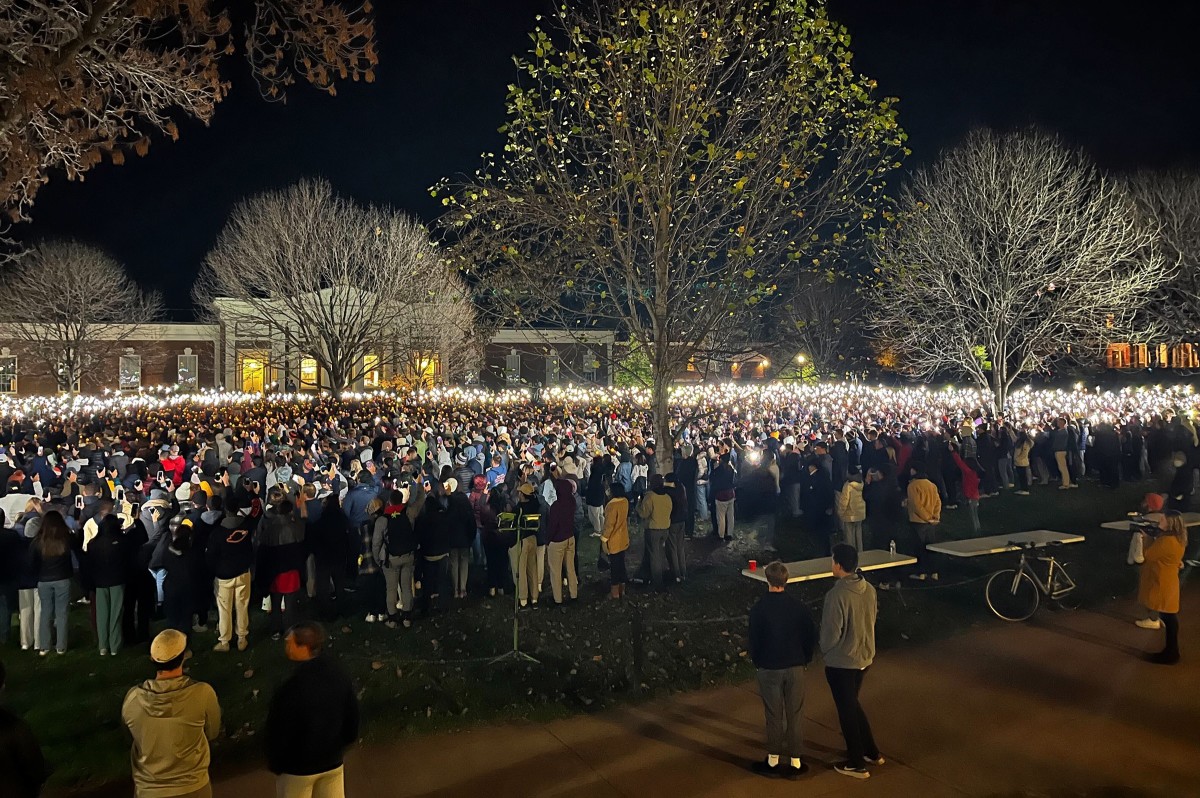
[(54, 597), (702, 500)]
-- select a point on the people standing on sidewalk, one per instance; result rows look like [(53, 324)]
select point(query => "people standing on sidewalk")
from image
[(23, 769), (848, 646), (782, 640), (1158, 583), (312, 720), (172, 719)]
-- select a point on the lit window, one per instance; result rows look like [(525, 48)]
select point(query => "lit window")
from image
[(8, 374), (129, 369), (372, 375), (308, 374), (512, 367), (188, 370)]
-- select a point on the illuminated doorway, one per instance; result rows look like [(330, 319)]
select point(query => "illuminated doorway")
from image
[(309, 374), (254, 371)]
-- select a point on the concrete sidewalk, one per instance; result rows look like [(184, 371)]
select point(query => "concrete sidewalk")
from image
[(1059, 706)]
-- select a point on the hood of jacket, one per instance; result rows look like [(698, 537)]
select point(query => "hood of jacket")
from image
[(211, 516), (161, 698)]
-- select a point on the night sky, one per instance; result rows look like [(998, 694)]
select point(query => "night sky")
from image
[(1121, 80)]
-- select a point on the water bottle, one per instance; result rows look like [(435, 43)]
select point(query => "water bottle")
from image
[(892, 548)]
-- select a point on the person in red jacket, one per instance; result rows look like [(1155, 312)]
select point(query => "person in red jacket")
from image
[(970, 486), (173, 466)]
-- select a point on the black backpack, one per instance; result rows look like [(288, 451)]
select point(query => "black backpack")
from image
[(400, 537)]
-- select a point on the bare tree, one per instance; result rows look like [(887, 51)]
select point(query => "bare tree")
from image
[(1012, 251), (356, 288), (1170, 204), (70, 306), (816, 327), (84, 79), (666, 164)]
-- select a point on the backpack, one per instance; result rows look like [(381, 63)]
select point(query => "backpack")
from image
[(400, 537)]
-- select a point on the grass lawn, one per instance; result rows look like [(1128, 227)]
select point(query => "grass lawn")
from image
[(437, 675)]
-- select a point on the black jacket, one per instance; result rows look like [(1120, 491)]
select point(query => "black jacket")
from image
[(460, 521), (312, 720), (107, 560), (782, 633), (230, 551), (23, 770)]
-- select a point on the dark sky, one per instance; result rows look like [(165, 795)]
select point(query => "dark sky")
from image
[(1121, 80)]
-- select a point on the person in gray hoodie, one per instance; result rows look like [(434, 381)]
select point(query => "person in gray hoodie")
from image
[(848, 645), (172, 719)]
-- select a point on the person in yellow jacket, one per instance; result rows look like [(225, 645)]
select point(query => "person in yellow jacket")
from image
[(924, 515), (615, 539), (655, 510), (1158, 583)]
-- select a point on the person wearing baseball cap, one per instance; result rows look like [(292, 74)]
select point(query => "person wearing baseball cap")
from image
[(172, 719)]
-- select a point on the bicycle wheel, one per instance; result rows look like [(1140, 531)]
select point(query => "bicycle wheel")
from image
[(1012, 595)]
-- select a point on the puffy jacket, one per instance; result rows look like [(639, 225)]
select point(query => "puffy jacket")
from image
[(172, 722), (850, 504), (107, 559), (356, 501)]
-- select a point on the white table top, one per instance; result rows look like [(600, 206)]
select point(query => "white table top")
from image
[(821, 567), (1189, 520), (998, 544)]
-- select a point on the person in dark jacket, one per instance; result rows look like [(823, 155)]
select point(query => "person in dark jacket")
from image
[(461, 531), (52, 562), (721, 486), (496, 542), (434, 536), (178, 561), (12, 550), (817, 503), (312, 720), (394, 546), (782, 640), (676, 545), (23, 769), (328, 535), (230, 554), (107, 563), (561, 528), (281, 561)]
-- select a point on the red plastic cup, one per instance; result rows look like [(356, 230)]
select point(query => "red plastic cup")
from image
[(754, 565)]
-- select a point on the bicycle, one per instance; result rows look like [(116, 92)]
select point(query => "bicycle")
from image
[(1014, 593)]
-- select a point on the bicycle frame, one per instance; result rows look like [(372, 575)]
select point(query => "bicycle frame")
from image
[(1047, 586)]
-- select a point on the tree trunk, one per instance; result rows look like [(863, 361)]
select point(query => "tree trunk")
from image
[(999, 389), (664, 438)]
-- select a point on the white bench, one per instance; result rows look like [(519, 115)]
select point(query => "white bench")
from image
[(998, 544), (822, 567), (1189, 520)]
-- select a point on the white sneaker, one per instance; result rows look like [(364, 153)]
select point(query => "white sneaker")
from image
[(1149, 623), (370, 618)]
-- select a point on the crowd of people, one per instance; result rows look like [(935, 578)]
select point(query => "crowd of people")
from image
[(193, 508)]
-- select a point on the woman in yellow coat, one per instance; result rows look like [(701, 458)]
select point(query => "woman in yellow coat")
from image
[(1158, 587)]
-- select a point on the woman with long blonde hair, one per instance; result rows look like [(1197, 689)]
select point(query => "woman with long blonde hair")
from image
[(1158, 586)]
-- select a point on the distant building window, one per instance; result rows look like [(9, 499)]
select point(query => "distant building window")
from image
[(512, 367), (187, 368), (309, 374), (8, 374), (129, 372), (372, 374)]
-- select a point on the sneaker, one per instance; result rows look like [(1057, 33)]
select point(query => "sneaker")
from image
[(770, 771), (1065, 487), (1148, 623), (390, 624), (222, 647), (243, 644), (370, 618), (918, 577), (951, 506), (877, 760), (934, 576), (491, 592), (24, 648), (104, 652), (407, 623), (1022, 493), (199, 628), (846, 769), (43, 652)]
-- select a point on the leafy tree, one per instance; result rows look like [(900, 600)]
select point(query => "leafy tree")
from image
[(667, 162), (82, 80), (1012, 252)]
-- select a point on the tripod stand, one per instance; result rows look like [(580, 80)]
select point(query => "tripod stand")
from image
[(525, 523)]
